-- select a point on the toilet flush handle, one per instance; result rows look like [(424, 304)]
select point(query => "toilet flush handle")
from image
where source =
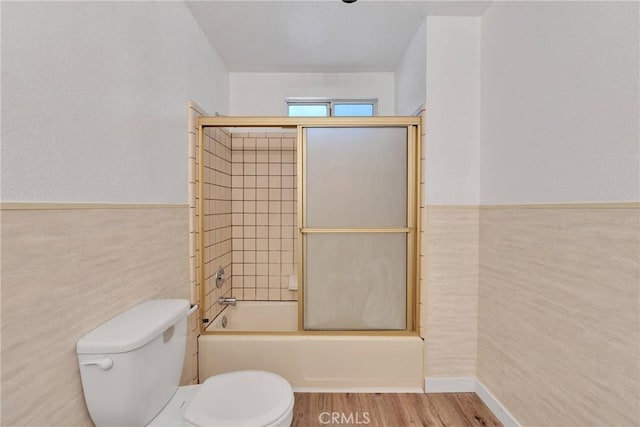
[(104, 363)]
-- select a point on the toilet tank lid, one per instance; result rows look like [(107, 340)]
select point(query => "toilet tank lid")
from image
[(133, 328)]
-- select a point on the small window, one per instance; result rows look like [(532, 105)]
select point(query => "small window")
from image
[(352, 109), (322, 107), (308, 110)]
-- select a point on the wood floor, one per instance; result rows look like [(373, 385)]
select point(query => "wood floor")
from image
[(391, 410)]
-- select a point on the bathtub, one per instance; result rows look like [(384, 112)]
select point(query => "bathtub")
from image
[(258, 316), (309, 362)]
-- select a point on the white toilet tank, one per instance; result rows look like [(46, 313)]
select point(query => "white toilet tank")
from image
[(131, 365)]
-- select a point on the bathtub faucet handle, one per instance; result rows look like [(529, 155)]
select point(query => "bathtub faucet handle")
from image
[(220, 276), (227, 301)]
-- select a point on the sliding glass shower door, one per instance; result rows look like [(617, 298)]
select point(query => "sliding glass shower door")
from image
[(357, 227)]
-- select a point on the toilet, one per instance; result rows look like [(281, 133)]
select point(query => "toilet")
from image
[(131, 366)]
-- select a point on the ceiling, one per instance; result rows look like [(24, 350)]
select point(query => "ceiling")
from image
[(317, 35)]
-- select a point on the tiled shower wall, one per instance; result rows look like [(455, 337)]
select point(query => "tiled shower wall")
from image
[(250, 195), (263, 215), (217, 221)]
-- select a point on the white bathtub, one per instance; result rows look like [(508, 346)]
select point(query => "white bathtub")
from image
[(309, 362), (258, 316)]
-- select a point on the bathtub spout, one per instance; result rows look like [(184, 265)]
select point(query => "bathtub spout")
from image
[(227, 301)]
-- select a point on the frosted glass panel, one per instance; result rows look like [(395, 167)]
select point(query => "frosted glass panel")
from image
[(355, 281), (356, 177)]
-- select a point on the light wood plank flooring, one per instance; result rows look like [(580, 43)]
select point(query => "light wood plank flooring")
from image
[(391, 410)]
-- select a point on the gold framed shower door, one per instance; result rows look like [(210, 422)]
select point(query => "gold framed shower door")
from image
[(412, 230)]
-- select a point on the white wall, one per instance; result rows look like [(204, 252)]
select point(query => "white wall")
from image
[(264, 94), (560, 95), (94, 100), (410, 74), (452, 110)]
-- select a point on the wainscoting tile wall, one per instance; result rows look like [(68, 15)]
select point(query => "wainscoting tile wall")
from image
[(559, 326), (451, 307), (64, 272)]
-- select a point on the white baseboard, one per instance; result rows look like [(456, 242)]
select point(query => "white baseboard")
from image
[(358, 390), (470, 385), (495, 406), (450, 385)]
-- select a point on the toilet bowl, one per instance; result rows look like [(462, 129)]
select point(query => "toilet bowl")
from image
[(234, 399), (131, 365)]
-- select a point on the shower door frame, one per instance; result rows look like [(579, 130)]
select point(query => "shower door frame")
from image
[(413, 227)]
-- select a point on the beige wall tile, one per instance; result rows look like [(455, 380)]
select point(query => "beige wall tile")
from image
[(451, 298), (559, 327), (221, 190), (64, 272), (266, 220), (262, 143)]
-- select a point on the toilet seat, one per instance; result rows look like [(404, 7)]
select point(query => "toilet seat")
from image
[(241, 399)]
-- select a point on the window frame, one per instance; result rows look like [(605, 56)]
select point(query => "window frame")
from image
[(331, 102)]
